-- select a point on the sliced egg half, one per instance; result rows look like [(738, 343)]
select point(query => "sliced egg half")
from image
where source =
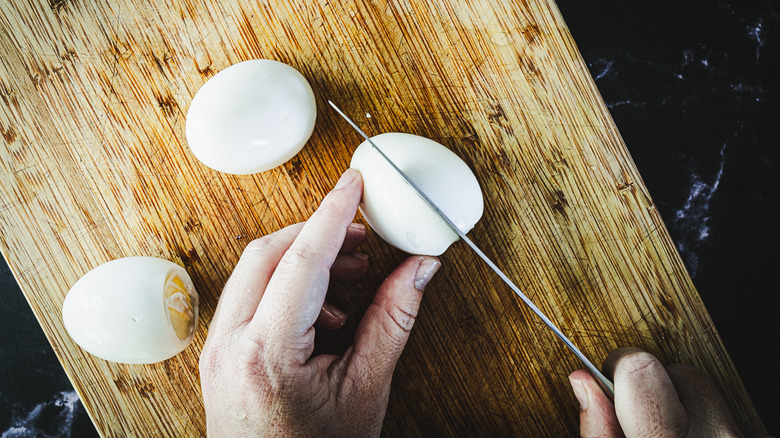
[(135, 310), (396, 212)]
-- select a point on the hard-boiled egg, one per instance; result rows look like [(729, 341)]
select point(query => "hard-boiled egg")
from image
[(251, 117), (395, 211), (132, 310)]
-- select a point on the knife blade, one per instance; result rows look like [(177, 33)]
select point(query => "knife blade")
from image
[(606, 384)]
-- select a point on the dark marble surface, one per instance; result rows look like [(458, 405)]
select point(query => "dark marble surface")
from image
[(693, 88), (36, 398)]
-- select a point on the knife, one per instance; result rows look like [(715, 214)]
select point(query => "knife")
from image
[(606, 384)]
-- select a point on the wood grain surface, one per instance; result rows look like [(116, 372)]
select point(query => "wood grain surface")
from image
[(95, 166)]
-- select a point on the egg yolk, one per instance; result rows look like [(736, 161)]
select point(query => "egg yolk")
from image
[(179, 305)]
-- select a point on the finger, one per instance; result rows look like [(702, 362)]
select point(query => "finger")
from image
[(348, 267), (356, 235), (244, 289), (296, 290), (597, 414), (646, 402), (330, 317), (382, 333), (704, 404)]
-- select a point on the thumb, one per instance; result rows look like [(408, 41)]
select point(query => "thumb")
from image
[(597, 414), (646, 400), (384, 329)]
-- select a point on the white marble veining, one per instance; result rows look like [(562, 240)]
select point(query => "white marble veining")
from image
[(693, 218), (62, 409), (702, 73)]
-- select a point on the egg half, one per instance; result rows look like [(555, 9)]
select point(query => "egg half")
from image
[(251, 117), (135, 310), (396, 212)]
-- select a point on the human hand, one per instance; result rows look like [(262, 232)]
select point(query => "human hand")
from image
[(257, 372), (652, 401)]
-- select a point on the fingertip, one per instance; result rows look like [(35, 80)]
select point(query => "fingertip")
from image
[(587, 390), (597, 413), (610, 363), (578, 387), (330, 317), (355, 236), (350, 266), (639, 361), (425, 271), (579, 375), (349, 177), (357, 227), (645, 394)]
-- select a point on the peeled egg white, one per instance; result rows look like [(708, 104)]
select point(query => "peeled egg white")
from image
[(395, 211), (251, 117), (135, 310)]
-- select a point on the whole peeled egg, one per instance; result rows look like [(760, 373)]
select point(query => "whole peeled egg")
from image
[(396, 212), (135, 310), (251, 117)]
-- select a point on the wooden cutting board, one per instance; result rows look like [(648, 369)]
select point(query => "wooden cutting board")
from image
[(95, 166)]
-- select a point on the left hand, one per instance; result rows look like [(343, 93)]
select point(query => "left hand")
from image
[(257, 371)]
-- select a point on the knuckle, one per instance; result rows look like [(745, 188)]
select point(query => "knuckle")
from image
[(397, 323), (403, 318), (641, 362), (300, 254), (209, 364), (262, 244), (275, 241), (255, 360)]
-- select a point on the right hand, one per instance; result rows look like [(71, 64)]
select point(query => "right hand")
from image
[(653, 401)]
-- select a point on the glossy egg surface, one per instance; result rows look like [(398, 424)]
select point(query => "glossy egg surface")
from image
[(132, 310), (394, 210), (251, 117)]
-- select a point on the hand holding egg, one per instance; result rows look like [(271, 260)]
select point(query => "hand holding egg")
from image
[(257, 370), (260, 343)]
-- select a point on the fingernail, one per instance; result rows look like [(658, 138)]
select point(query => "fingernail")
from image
[(334, 312), (425, 272), (580, 392), (347, 177), (357, 227), (360, 255)]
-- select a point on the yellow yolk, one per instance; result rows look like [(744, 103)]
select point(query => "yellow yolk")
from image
[(179, 304), (134, 310)]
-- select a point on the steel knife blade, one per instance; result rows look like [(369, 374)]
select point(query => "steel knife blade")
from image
[(606, 384)]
